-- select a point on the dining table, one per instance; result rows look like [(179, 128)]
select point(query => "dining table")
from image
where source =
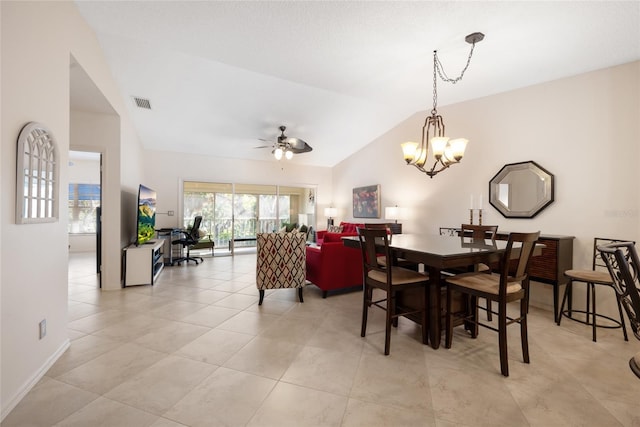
[(439, 253)]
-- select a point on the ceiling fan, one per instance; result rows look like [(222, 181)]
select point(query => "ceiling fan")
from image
[(287, 146)]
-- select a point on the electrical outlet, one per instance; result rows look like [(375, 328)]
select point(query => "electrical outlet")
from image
[(43, 328), (171, 213)]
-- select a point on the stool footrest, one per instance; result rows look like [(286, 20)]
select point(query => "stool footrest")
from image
[(568, 314)]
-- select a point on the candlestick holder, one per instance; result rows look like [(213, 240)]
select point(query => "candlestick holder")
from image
[(471, 216), (479, 216)]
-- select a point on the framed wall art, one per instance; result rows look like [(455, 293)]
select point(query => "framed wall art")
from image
[(366, 202), (37, 175)]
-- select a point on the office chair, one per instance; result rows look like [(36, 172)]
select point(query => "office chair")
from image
[(189, 239)]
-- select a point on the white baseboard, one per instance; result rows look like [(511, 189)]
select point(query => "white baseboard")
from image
[(29, 384)]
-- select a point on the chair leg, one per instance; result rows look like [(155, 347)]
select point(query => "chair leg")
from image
[(448, 320), (489, 314), (556, 297), (474, 311), (300, 294), (624, 327), (324, 294), (366, 299), (588, 309), (389, 313), (593, 313), (502, 337), (261, 291), (523, 330), (425, 318)]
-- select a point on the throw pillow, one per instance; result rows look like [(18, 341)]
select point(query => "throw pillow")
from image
[(334, 229), (290, 227)]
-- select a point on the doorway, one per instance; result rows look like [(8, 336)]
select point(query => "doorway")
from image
[(84, 205)]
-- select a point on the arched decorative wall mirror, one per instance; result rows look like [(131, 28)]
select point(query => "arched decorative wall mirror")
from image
[(521, 190)]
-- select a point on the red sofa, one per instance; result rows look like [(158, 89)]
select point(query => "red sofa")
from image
[(348, 229), (331, 265)]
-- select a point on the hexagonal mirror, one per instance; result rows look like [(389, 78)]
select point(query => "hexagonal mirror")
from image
[(521, 190)]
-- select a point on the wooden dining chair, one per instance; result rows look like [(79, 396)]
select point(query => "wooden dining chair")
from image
[(481, 232), (510, 284), (391, 280)]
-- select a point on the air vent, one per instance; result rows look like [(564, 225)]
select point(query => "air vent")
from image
[(142, 103)]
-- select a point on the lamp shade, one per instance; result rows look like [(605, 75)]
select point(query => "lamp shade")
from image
[(392, 212), (330, 212)]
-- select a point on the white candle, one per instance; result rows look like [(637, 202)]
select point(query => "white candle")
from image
[(471, 202), (480, 202)]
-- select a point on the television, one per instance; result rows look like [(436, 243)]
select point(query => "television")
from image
[(146, 228)]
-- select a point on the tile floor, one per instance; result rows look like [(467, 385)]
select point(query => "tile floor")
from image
[(197, 350)]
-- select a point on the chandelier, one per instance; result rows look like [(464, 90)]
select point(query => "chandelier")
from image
[(445, 151)]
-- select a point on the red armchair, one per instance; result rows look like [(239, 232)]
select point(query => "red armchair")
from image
[(334, 266)]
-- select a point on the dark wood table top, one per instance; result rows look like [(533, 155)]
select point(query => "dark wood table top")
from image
[(440, 251)]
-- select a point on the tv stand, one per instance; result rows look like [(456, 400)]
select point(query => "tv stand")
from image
[(143, 264)]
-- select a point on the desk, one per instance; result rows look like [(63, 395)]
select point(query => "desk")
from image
[(168, 235), (438, 253)]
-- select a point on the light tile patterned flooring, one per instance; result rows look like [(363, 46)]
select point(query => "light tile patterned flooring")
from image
[(197, 350)]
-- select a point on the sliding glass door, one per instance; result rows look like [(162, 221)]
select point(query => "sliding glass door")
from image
[(234, 213)]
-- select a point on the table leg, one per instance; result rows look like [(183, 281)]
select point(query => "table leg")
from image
[(435, 328)]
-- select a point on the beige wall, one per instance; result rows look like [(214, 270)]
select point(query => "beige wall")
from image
[(584, 129), (38, 39), (165, 172)]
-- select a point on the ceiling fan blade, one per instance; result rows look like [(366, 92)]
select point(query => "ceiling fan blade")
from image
[(298, 145), (263, 146)]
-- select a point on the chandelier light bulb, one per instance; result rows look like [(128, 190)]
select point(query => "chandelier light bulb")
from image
[(439, 145), (459, 145), (409, 151)]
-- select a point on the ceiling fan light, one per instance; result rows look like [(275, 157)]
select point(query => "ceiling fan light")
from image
[(288, 154), (278, 153)]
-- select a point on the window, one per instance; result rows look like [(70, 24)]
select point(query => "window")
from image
[(241, 210), (37, 175), (84, 199)]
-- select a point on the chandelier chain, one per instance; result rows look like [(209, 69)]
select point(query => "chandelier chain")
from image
[(435, 89), (442, 73)]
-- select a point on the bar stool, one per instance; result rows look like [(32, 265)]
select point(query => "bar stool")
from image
[(622, 261), (600, 276)]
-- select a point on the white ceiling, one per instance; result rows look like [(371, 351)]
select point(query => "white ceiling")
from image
[(221, 75)]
